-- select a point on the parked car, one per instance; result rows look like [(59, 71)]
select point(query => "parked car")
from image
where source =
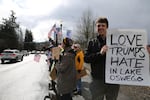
[(25, 52), (11, 55), (33, 52)]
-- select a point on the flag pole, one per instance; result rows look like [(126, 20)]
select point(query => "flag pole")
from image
[(56, 39), (61, 31)]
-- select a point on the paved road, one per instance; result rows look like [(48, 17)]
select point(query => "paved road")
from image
[(25, 80), (28, 80)]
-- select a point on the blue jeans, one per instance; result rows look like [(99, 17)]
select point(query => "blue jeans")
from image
[(79, 84)]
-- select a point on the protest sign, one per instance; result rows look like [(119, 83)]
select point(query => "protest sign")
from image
[(55, 53), (53, 73), (127, 59)]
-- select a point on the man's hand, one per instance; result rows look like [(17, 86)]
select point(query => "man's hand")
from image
[(104, 49)]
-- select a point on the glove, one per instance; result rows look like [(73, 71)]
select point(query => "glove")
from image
[(79, 71)]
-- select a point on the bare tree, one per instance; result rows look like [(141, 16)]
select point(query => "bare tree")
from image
[(85, 28)]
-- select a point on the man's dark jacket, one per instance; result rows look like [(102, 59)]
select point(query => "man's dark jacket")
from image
[(94, 57)]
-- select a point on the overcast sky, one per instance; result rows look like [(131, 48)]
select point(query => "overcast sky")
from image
[(40, 15)]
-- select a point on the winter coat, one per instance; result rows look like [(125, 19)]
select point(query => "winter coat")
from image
[(66, 72), (94, 57), (79, 60)]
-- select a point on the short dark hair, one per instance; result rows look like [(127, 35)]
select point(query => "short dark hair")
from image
[(102, 20)]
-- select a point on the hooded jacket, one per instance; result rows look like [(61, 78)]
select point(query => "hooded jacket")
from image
[(66, 72)]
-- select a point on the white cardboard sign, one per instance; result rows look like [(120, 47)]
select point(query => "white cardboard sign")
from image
[(127, 59)]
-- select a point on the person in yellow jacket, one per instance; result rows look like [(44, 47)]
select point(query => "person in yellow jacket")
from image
[(79, 61)]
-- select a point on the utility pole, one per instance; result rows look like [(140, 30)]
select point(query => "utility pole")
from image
[(61, 32), (93, 29), (56, 39)]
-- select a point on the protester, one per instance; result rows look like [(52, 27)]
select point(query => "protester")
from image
[(79, 61), (96, 56), (148, 48), (66, 72), (50, 57), (51, 61), (47, 55)]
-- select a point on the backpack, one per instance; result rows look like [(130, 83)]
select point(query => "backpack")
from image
[(94, 45)]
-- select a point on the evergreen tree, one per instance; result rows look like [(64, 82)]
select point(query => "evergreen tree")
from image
[(28, 41), (8, 32), (28, 36)]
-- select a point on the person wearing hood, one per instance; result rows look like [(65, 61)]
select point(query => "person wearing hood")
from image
[(66, 72), (79, 61)]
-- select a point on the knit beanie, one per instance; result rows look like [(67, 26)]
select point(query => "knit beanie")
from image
[(68, 42)]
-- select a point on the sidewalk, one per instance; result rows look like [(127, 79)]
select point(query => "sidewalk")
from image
[(86, 93)]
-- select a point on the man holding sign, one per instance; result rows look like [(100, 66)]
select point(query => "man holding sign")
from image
[(96, 56)]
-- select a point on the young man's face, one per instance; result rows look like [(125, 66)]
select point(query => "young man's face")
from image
[(101, 28)]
